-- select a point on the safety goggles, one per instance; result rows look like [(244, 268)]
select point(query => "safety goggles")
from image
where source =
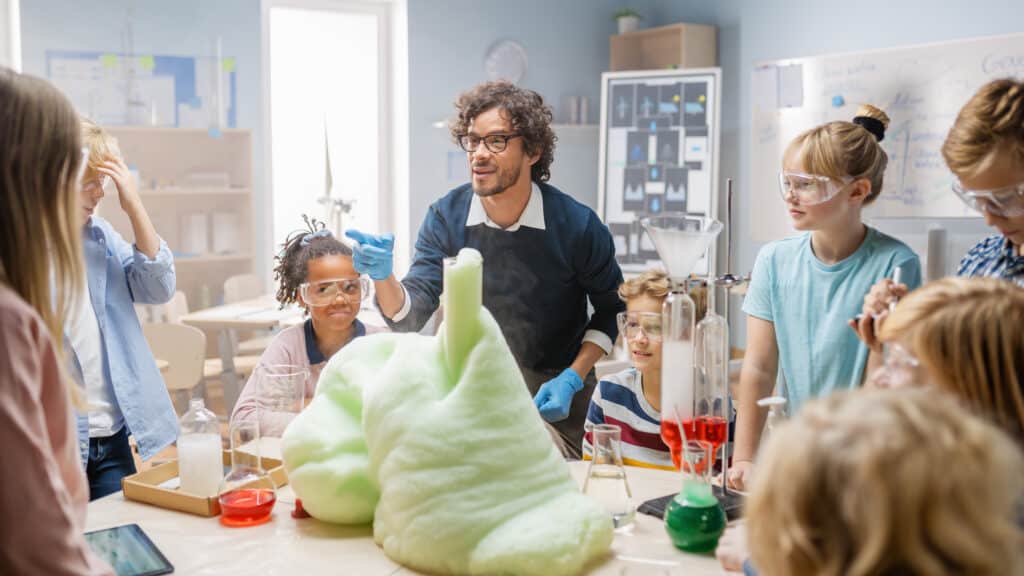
[(632, 324), (898, 369), (1004, 202), (809, 189), (325, 292)]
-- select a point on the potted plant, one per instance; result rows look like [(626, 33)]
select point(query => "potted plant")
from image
[(628, 20)]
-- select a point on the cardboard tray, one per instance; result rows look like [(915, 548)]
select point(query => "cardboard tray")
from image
[(145, 487)]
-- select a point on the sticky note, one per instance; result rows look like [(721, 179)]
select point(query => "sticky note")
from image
[(228, 64), (147, 62), (214, 132), (838, 101), (109, 60), (701, 98)]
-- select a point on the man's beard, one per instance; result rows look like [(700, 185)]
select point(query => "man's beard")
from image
[(506, 178)]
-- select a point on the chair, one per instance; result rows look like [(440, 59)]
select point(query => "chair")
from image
[(246, 287), (242, 287), (184, 350)]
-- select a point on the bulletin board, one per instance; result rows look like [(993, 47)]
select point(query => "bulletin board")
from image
[(658, 153), (120, 89)]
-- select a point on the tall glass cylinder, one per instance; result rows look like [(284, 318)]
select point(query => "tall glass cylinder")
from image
[(711, 397), (677, 370)]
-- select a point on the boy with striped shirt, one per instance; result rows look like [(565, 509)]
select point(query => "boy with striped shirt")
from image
[(631, 399)]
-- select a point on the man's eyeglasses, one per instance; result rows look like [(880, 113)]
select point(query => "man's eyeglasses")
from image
[(496, 143)]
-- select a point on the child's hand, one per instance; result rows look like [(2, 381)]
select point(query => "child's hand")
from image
[(732, 548), (875, 311), (127, 191), (740, 474)]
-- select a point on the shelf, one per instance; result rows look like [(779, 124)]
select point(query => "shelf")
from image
[(217, 191), (575, 126), (679, 45), (206, 258)]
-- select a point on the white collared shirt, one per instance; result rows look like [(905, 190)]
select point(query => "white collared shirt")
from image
[(532, 217)]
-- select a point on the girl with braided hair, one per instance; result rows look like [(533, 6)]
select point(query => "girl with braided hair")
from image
[(314, 270)]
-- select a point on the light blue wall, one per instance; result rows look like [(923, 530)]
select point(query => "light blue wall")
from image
[(567, 47)]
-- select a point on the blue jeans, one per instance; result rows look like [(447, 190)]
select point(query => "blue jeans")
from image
[(110, 459)]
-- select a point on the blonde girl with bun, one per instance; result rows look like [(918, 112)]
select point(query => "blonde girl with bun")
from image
[(805, 288)]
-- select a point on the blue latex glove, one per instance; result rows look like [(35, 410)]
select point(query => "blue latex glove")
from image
[(372, 255), (554, 398)]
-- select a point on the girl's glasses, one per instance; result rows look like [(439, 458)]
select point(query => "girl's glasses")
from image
[(809, 189), (325, 292)]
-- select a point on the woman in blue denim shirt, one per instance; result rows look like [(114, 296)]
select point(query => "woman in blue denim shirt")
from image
[(125, 391)]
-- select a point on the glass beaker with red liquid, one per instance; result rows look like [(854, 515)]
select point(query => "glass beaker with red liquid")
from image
[(247, 493)]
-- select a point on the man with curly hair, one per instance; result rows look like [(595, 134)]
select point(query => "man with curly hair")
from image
[(547, 254)]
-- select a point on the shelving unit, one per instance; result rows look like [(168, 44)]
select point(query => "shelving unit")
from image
[(167, 160), (674, 46)]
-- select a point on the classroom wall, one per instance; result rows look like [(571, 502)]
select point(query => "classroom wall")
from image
[(178, 28), (567, 48), (751, 31), (566, 42)]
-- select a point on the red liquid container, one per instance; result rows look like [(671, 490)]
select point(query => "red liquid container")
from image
[(246, 506)]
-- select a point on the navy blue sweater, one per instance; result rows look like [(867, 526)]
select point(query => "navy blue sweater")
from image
[(536, 282)]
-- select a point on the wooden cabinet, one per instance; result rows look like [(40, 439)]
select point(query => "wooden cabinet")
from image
[(673, 46)]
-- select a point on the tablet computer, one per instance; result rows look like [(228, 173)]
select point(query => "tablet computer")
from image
[(129, 551)]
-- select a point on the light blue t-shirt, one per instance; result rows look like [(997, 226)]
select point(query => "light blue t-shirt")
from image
[(810, 303)]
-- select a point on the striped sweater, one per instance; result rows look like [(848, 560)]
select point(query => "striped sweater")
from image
[(619, 399)]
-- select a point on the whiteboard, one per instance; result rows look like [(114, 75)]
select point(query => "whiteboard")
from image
[(658, 153), (921, 88)]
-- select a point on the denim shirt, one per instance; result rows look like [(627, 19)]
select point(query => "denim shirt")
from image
[(119, 276)]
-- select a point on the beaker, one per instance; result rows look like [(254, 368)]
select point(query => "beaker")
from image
[(247, 493), (280, 393), (606, 478), (694, 519), (677, 370)]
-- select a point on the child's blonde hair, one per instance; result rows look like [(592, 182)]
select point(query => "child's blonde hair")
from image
[(992, 119), (969, 334), (839, 149), (652, 283), (876, 482), (102, 146)]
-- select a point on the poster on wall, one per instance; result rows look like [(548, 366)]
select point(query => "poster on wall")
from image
[(119, 89), (658, 154)]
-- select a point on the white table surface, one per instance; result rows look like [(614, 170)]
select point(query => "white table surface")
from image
[(290, 547)]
